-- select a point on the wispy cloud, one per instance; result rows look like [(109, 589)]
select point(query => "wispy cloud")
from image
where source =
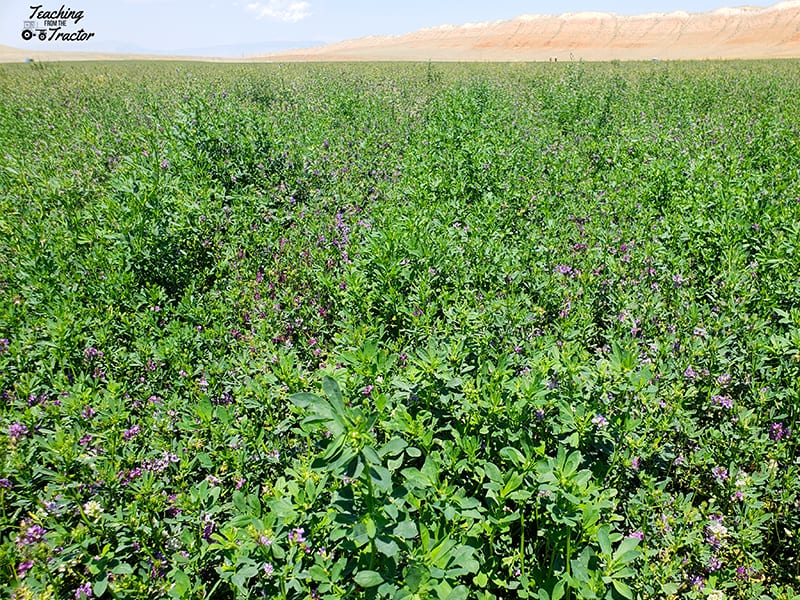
[(280, 10)]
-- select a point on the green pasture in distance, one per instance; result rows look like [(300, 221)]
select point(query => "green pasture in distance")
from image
[(400, 330)]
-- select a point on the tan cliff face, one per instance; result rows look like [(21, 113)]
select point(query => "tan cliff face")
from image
[(727, 33), (746, 32)]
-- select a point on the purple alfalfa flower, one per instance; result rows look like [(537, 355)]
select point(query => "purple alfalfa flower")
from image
[(714, 564), (209, 526), (126, 477), (30, 533), (600, 421), (367, 391), (17, 431), (298, 535), (91, 352), (131, 433), (778, 431), (724, 380), (690, 373), (4, 343), (635, 463), (636, 534), (563, 269), (83, 591), (715, 532), (268, 569), (87, 413), (722, 401), (720, 474), (5, 483), (697, 581), (23, 568)]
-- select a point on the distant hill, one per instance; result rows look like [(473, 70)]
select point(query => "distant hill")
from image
[(744, 32)]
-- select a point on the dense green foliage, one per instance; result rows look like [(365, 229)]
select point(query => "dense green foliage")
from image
[(400, 331)]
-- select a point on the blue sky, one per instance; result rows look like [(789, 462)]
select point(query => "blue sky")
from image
[(248, 26)]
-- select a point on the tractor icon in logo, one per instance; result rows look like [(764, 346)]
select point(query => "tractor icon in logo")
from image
[(28, 29)]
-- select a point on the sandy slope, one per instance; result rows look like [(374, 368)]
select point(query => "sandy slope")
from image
[(744, 32)]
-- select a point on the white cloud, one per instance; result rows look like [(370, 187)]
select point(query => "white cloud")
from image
[(280, 10)]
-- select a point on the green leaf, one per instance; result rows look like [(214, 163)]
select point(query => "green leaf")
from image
[(605, 542), (415, 576), (100, 586), (461, 592), (122, 569), (572, 462), (333, 393), (513, 455), (669, 589), (406, 530), (368, 579), (370, 456), (558, 590), (182, 583), (317, 573), (626, 551), (371, 528), (623, 589), (239, 501), (393, 447), (386, 546), (304, 400), (514, 481), (205, 460), (493, 472), (381, 478)]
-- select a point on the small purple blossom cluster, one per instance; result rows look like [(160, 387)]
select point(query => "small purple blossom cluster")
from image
[(722, 401), (156, 465), (17, 431), (563, 270), (91, 353), (720, 474), (297, 535), (778, 431), (23, 568), (715, 532), (83, 591), (126, 476), (30, 533), (209, 526), (131, 433)]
